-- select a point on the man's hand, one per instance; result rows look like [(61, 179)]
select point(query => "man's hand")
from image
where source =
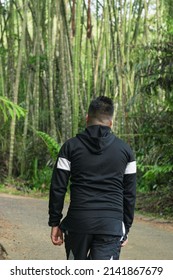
[(124, 243), (57, 236)]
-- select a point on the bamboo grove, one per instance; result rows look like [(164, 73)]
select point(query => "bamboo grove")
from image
[(56, 55)]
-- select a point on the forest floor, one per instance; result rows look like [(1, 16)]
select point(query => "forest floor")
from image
[(24, 233)]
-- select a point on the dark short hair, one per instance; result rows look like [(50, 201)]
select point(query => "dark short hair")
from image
[(102, 105)]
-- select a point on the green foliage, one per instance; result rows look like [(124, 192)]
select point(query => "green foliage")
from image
[(154, 148), (155, 155), (7, 107), (52, 145), (42, 181), (153, 176), (155, 171)]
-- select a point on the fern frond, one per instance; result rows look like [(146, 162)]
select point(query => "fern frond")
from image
[(52, 145)]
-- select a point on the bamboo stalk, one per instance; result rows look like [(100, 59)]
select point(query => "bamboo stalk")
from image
[(52, 30), (76, 68), (16, 87)]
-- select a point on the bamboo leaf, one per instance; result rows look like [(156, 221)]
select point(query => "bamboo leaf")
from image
[(6, 105)]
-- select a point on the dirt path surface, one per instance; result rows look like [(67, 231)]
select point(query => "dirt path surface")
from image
[(25, 235)]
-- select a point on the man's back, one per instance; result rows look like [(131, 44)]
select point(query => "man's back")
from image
[(98, 163)]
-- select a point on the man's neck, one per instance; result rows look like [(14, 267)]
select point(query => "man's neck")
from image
[(99, 123)]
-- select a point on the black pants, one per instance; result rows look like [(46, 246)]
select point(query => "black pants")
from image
[(92, 247)]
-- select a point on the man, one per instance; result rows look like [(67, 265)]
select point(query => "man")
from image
[(102, 173)]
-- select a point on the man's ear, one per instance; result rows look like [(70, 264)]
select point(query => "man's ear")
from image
[(87, 118), (111, 123)]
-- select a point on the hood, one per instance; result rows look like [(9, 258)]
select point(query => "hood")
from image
[(96, 138)]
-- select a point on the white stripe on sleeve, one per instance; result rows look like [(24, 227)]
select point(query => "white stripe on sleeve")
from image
[(131, 168), (64, 164)]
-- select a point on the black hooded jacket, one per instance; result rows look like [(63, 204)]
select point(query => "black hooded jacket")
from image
[(102, 173)]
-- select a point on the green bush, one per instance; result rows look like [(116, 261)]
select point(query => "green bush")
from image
[(41, 182)]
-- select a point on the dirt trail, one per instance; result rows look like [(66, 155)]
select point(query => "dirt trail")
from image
[(25, 235)]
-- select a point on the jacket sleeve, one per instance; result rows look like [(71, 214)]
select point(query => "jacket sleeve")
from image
[(59, 184), (129, 192)]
